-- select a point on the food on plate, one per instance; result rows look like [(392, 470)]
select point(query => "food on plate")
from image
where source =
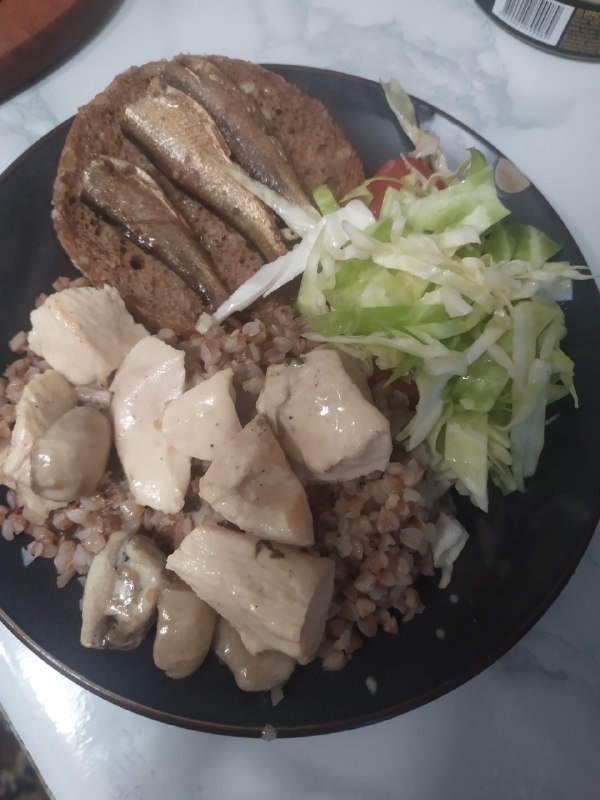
[(151, 375), (448, 291), (314, 145), (377, 532), (443, 288), (185, 628), (251, 484), (204, 418), (265, 481), (84, 333), (121, 592), (183, 141), (70, 457), (45, 398), (252, 672), (277, 598), (329, 430), (240, 122), (127, 197)]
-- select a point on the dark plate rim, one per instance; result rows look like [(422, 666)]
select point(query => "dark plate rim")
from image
[(347, 723)]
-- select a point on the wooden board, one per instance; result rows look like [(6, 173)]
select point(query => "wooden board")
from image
[(36, 33)]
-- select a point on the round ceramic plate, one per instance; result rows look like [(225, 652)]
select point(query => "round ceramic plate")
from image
[(519, 555)]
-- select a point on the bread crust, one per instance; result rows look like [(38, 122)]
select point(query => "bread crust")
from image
[(313, 141)]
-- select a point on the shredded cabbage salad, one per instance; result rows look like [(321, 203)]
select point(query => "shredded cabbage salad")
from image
[(447, 290)]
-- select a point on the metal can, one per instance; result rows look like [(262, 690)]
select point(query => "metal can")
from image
[(569, 28)]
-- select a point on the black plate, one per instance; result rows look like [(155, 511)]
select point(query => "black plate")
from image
[(519, 556)]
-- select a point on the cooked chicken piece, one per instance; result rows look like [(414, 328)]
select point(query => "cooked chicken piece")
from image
[(46, 397), (151, 375), (84, 333), (251, 484), (121, 592), (69, 458), (204, 418), (184, 630), (277, 598), (252, 673), (327, 427)]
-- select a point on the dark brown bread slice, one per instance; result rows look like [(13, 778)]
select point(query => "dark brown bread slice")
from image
[(315, 144)]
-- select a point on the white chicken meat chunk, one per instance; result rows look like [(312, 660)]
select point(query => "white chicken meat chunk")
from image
[(276, 598), (151, 375), (251, 484), (45, 399), (204, 418), (84, 333), (327, 427)]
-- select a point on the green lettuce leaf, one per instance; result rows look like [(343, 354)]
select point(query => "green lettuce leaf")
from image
[(447, 290)]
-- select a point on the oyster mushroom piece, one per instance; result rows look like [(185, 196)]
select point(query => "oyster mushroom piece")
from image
[(69, 458), (84, 332), (276, 597), (45, 399), (121, 592), (151, 375), (184, 630), (252, 673)]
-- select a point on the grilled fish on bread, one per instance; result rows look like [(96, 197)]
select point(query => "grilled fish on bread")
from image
[(309, 146)]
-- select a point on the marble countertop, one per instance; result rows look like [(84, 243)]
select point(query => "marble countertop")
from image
[(528, 727)]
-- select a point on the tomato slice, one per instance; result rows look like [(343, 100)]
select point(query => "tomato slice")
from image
[(395, 168)]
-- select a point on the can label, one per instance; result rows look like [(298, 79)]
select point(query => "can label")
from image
[(564, 27), (543, 20)]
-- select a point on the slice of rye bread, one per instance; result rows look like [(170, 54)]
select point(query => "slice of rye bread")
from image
[(315, 144)]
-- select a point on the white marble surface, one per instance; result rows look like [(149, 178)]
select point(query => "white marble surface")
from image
[(529, 727)]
